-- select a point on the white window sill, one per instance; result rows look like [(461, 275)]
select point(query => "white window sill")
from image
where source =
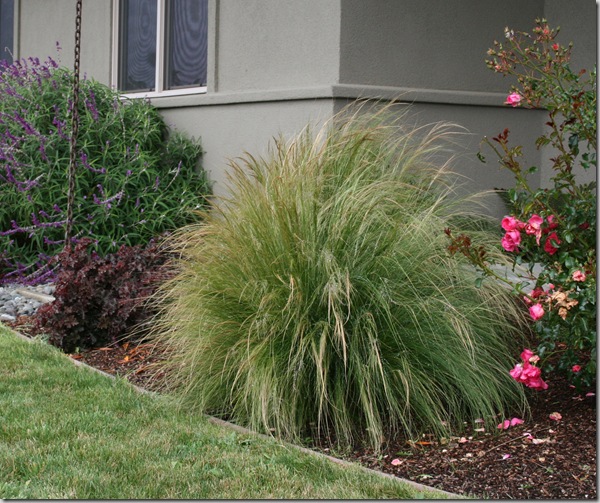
[(164, 94)]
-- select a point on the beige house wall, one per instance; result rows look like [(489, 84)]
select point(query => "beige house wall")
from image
[(276, 65)]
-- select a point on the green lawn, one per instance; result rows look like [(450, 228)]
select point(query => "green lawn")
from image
[(71, 433)]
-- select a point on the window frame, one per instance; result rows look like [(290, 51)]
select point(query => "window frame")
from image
[(161, 48)]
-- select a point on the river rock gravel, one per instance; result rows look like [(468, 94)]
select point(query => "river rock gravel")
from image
[(23, 300)]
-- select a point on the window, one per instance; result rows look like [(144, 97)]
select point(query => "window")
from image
[(162, 46), (6, 29)]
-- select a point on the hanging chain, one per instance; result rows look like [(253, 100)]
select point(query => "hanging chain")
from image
[(74, 126)]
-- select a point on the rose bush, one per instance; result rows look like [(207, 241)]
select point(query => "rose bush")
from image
[(554, 226)]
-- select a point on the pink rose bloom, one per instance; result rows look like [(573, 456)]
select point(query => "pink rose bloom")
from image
[(526, 355), (536, 311), (516, 372), (512, 224), (511, 241), (549, 246), (576, 368), (578, 276), (513, 99), (536, 383), (534, 227), (534, 224), (530, 372)]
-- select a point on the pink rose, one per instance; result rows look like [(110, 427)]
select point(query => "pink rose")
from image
[(534, 227), (513, 99), (530, 372), (532, 377), (511, 241), (534, 224), (536, 311), (526, 355), (576, 368), (512, 224), (516, 372), (536, 383), (552, 242), (579, 276)]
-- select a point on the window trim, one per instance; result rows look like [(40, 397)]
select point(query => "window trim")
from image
[(159, 78)]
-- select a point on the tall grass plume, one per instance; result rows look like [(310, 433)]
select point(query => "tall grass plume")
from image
[(319, 297)]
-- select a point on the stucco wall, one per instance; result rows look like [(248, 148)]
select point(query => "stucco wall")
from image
[(433, 44), (275, 65), (43, 23), (227, 131), (265, 45)]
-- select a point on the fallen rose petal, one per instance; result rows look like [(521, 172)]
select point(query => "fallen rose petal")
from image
[(515, 420), (506, 456), (396, 462), (504, 425), (590, 394), (555, 416), (462, 440)]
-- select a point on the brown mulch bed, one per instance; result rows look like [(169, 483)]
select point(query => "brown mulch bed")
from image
[(544, 458)]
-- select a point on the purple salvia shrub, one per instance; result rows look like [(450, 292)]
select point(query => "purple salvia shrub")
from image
[(127, 160)]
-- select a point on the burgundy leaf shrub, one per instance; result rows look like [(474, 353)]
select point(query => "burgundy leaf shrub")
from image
[(98, 300)]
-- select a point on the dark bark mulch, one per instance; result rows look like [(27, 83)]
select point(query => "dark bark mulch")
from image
[(544, 458)]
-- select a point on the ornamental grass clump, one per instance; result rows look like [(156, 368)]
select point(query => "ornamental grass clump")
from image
[(319, 298)]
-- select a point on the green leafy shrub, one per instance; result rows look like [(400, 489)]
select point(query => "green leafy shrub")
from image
[(321, 298), (135, 179), (99, 300)]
